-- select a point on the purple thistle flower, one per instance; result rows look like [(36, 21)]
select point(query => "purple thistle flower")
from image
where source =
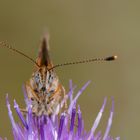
[(63, 127)]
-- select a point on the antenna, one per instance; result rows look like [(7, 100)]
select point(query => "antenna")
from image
[(109, 58), (6, 45)]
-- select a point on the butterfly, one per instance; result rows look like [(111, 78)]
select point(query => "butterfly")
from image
[(44, 89)]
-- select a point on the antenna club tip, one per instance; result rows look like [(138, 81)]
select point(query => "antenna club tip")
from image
[(111, 58), (115, 56)]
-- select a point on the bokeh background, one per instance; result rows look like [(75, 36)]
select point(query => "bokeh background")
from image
[(79, 29)]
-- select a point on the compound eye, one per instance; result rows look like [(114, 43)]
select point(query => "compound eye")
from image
[(37, 77), (51, 79)]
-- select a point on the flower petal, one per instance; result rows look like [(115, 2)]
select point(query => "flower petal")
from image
[(20, 114), (109, 121), (61, 125), (98, 118)]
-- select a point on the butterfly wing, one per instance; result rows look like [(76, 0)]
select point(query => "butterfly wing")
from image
[(43, 58)]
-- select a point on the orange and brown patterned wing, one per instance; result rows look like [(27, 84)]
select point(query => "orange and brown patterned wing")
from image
[(43, 58)]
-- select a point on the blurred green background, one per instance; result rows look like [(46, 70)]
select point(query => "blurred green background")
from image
[(79, 29)]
